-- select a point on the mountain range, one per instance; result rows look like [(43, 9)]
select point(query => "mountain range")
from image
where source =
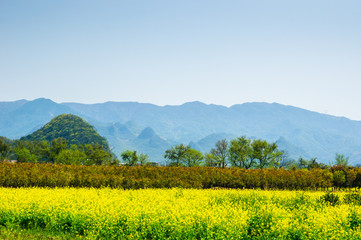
[(152, 129)]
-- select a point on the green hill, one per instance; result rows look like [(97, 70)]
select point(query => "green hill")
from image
[(71, 128)]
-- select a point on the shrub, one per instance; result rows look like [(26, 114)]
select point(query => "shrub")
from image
[(352, 198), (330, 199)]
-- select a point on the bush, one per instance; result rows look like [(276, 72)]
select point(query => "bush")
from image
[(330, 199), (354, 220), (352, 198), (339, 178)]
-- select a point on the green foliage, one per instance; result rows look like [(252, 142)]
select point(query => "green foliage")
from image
[(192, 158), (42, 150), (177, 155), (330, 199), (96, 155), (181, 155), (303, 163), (70, 156), (259, 223), (240, 153), (354, 220), (266, 154), (247, 153), (300, 200), (12, 231), (341, 160), (220, 152), (129, 157), (210, 160), (66, 139), (61, 153), (352, 198), (339, 178), (24, 155), (4, 149), (70, 128), (57, 145), (143, 159)]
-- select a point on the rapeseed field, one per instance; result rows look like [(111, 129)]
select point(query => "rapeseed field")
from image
[(181, 213)]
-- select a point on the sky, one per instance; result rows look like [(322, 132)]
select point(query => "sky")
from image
[(303, 53)]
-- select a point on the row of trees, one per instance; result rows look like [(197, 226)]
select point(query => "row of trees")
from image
[(244, 153), (240, 152), (58, 151)]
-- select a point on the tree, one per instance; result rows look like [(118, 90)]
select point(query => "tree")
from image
[(176, 155), (303, 163), (287, 162), (72, 156), (42, 151), (24, 155), (240, 153), (96, 155), (4, 150), (314, 164), (266, 154), (129, 157), (220, 152), (143, 159), (341, 160), (339, 178), (193, 158), (210, 160), (57, 145)]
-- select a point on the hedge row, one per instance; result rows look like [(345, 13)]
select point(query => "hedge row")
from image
[(49, 175)]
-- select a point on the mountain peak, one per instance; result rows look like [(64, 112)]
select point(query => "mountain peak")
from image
[(194, 103), (42, 101), (44, 105), (147, 133)]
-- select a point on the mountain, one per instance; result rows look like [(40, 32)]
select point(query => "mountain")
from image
[(319, 135), (6, 107), (291, 149), (151, 143), (24, 117), (304, 132), (71, 128), (120, 138)]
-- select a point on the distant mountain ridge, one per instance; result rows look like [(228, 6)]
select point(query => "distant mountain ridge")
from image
[(303, 132)]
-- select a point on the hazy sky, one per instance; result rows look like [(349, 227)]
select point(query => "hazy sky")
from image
[(304, 53)]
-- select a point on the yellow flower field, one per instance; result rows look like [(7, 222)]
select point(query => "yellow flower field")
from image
[(180, 213)]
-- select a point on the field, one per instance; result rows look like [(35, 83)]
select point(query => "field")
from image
[(178, 214)]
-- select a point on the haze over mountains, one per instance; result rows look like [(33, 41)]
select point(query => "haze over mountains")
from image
[(152, 129)]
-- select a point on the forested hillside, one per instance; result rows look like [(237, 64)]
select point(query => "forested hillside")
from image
[(71, 128)]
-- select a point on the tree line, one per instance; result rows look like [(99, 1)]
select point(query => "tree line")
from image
[(241, 152), (246, 153), (58, 151)]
